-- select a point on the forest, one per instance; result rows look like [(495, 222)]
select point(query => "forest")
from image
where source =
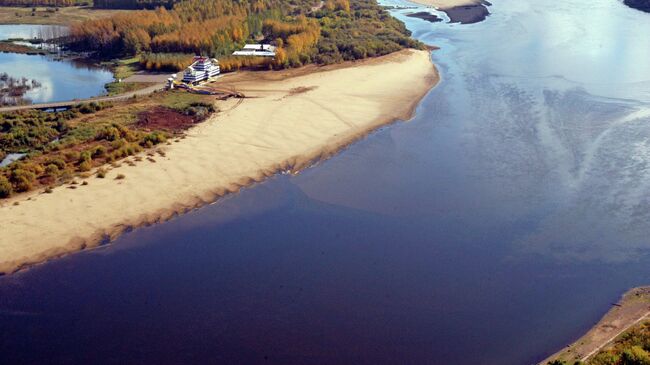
[(131, 4), (305, 31)]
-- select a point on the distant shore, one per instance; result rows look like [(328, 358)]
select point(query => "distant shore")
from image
[(289, 120)]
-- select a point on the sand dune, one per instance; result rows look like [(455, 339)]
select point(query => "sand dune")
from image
[(292, 119)]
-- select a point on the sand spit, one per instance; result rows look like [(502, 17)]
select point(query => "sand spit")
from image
[(448, 4), (288, 121)]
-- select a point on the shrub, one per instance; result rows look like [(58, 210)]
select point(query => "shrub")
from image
[(85, 156), (52, 170), (153, 139), (85, 166), (101, 173), (56, 161), (22, 180), (72, 156), (120, 177), (5, 187), (109, 133), (99, 151)]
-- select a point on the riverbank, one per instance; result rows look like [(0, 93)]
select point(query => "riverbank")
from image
[(289, 120), (631, 310)]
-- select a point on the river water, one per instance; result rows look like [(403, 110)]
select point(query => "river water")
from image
[(59, 79), (494, 228)]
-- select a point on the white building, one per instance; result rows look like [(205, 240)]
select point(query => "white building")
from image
[(202, 68), (261, 50)]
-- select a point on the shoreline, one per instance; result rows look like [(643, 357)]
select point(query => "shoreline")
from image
[(631, 309), (246, 142), (460, 11)]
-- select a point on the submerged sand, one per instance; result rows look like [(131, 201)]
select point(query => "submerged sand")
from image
[(447, 4), (288, 121)]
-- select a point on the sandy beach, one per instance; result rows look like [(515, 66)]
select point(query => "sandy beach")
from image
[(288, 120)]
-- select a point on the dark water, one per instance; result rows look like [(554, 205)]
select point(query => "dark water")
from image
[(494, 228), (60, 80)]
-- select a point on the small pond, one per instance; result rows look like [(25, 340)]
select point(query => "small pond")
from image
[(11, 158), (57, 79)]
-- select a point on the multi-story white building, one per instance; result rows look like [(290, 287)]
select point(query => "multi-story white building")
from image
[(202, 68), (259, 50)]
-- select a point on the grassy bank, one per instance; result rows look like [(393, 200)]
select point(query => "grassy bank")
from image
[(9, 47), (51, 16)]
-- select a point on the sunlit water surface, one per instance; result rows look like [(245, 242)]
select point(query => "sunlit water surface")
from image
[(494, 228)]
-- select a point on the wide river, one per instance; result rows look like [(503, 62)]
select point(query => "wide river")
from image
[(494, 228)]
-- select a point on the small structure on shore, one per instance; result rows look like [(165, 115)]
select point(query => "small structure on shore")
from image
[(202, 68), (260, 50)]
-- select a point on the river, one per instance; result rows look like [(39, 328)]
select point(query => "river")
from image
[(59, 79), (494, 228)]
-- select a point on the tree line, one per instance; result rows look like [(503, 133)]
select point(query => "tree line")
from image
[(304, 31), (133, 4), (48, 3)]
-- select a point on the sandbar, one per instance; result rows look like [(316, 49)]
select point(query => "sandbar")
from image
[(287, 121)]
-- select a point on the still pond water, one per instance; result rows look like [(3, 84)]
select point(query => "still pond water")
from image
[(494, 228), (60, 80)]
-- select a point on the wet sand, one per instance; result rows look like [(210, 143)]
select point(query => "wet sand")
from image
[(288, 120), (425, 16), (460, 11)]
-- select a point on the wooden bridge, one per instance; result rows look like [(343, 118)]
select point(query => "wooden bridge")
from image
[(71, 103)]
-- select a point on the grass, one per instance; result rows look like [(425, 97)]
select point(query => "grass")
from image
[(19, 48), (48, 16), (124, 68), (117, 88), (177, 100)]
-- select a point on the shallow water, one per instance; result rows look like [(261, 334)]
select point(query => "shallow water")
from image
[(11, 158), (494, 228), (30, 31), (60, 80)]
